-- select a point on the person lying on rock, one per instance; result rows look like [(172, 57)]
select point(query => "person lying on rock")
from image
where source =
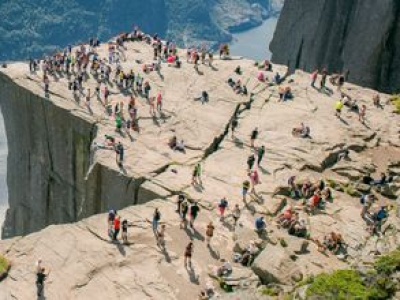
[(301, 131)]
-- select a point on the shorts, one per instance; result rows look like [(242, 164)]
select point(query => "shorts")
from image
[(338, 111)]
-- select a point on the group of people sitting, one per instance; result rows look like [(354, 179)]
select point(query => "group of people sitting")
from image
[(333, 242), (317, 193), (290, 220), (238, 87)]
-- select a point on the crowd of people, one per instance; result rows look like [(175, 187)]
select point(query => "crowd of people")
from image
[(84, 62)]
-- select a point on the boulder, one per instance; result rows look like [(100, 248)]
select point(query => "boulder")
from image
[(274, 265)]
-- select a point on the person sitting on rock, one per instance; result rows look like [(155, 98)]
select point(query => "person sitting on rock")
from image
[(381, 181), (334, 242), (260, 225), (261, 77), (180, 146), (286, 217), (231, 82), (377, 101), (314, 202), (285, 93), (378, 219), (225, 269), (298, 228), (301, 131), (306, 189), (327, 194), (172, 142), (238, 70), (204, 98), (249, 254)]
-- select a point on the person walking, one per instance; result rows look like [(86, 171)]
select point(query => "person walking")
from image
[(234, 125), (119, 151), (188, 255), (156, 220), (260, 155), (209, 233)]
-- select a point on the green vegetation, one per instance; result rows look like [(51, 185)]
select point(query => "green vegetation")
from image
[(377, 284), (388, 264), (396, 102), (272, 292), (343, 284), (4, 265)]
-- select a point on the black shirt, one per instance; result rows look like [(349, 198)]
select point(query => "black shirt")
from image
[(40, 278)]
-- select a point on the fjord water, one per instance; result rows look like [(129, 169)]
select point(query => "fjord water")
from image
[(254, 43)]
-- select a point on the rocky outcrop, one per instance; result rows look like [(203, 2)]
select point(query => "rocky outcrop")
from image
[(64, 172), (342, 35)]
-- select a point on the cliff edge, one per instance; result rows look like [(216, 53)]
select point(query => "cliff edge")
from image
[(61, 170), (342, 35)]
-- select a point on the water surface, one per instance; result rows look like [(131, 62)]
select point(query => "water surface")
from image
[(254, 43)]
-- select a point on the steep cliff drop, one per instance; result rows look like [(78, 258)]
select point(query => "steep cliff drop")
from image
[(360, 36), (49, 156)]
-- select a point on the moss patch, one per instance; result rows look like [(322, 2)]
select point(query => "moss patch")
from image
[(4, 266), (396, 102)]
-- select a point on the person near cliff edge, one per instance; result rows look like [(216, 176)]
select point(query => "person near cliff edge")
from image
[(119, 150), (117, 227), (314, 77)]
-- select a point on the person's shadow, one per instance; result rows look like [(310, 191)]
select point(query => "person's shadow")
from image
[(214, 254), (192, 276), (120, 247)]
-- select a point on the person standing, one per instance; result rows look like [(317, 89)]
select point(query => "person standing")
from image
[(314, 77), (194, 212), (323, 78), (223, 204), (41, 276), (260, 154), (119, 150), (125, 225), (234, 125), (184, 208), (117, 227), (250, 162), (188, 255), (236, 214), (156, 220), (209, 233), (161, 237), (253, 137), (196, 178), (245, 189)]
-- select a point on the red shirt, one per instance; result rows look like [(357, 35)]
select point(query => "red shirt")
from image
[(117, 224)]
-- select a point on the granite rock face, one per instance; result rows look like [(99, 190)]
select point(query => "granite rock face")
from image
[(342, 35)]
